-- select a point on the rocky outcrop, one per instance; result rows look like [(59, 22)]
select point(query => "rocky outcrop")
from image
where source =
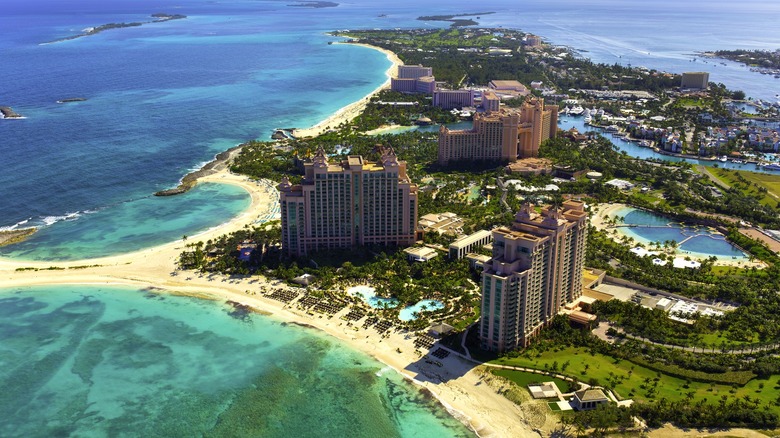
[(219, 162), (8, 113), (9, 237)]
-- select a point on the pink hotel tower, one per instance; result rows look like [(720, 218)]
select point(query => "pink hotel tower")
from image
[(348, 203)]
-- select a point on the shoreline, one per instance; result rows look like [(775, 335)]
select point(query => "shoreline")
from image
[(190, 180), (348, 113), (457, 385)]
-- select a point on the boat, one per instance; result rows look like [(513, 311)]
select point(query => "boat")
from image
[(577, 110), (588, 119), (772, 166), (723, 159)]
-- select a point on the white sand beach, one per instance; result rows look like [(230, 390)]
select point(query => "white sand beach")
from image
[(349, 112), (455, 383)]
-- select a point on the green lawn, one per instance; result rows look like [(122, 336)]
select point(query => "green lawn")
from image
[(628, 379), (523, 378), (766, 180)]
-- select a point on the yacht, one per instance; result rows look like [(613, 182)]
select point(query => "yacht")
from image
[(577, 110), (772, 166)]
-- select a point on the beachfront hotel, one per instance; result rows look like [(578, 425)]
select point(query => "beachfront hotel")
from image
[(348, 203), (502, 135), (414, 79), (535, 270)]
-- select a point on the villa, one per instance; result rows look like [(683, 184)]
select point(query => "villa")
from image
[(587, 399)]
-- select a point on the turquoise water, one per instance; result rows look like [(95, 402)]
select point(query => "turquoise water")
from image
[(407, 313), (134, 225), (98, 361), (648, 227)]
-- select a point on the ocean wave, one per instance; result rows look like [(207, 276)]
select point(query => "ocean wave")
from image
[(51, 220), (16, 225)]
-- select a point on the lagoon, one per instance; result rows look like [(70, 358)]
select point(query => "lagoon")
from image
[(695, 241), (567, 122)]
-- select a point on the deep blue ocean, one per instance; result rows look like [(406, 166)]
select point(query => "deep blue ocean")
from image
[(164, 98)]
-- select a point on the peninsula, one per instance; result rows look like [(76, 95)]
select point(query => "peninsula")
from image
[(191, 179), (761, 61), (158, 18)]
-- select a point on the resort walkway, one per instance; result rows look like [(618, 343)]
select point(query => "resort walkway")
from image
[(601, 333)]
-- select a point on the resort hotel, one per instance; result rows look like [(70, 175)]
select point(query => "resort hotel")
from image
[(502, 135), (348, 203), (536, 269)]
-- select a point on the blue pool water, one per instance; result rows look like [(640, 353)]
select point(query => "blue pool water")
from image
[(110, 361), (408, 313), (368, 295), (647, 227)]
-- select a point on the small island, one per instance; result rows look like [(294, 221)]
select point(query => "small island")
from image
[(72, 99), (6, 112), (158, 18), (314, 4), (455, 22)]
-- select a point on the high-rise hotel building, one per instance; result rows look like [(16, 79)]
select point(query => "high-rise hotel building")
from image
[(502, 135), (536, 269), (414, 79), (348, 203)]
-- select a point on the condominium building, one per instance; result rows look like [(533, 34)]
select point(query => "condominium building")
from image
[(348, 203), (502, 135), (696, 80), (535, 270)]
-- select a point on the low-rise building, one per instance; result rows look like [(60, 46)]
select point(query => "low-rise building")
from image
[(420, 254), (621, 184), (587, 399), (442, 223), (467, 244)]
